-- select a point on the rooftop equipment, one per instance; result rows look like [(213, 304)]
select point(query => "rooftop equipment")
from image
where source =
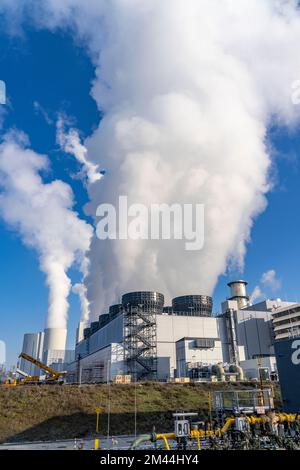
[(239, 293), (193, 305)]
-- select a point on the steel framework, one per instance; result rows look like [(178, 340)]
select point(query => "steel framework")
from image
[(140, 341)]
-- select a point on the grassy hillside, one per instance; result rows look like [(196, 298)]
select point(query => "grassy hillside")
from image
[(61, 412)]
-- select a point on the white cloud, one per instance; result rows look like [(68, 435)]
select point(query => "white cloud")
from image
[(270, 280), (40, 110)]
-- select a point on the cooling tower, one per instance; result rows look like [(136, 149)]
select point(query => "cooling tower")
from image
[(55, 339), (148, 300), (193, 305), (32, 345)]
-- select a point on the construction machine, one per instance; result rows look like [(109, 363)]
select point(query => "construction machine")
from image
[(52, 376), (26, 378)]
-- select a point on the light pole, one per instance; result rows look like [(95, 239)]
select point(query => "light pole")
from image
[(108, 400), (98, 411)]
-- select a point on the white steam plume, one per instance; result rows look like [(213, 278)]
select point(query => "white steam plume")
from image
[(188, 90), (81, 290), (70, 142), (42, 214)]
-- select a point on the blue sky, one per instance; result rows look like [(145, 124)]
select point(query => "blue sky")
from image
[(50, 69)]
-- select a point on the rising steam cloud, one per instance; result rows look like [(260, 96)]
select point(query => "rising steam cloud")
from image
[(69, 141), (188, 90), (43, 216)]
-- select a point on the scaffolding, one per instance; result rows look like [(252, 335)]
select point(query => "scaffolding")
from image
[(140, 341)]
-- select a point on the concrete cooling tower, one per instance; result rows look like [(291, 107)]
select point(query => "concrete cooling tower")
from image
[(55, 339), (54, 352)]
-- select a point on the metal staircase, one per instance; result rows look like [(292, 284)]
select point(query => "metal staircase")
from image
[(140, 341)]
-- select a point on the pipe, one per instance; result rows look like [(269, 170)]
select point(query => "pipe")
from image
[(201, 433), (166, 442), (219, 370), (227, 425), (140, 440), (239, 370), (153, 438)]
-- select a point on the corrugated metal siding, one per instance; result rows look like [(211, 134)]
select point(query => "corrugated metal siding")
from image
[(289, 373)]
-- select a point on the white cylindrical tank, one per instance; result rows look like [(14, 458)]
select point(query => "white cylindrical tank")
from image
[(55, 339)]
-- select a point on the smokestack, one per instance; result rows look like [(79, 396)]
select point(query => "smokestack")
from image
[(239, 293), (55, 339)]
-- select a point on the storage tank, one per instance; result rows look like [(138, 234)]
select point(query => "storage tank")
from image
[(55, 339)]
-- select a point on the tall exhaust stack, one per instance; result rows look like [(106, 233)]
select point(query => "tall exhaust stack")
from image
[(239, 293)]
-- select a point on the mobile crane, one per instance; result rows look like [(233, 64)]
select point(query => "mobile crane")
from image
[(52, 375)]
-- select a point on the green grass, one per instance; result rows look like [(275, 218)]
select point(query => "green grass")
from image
[(60, 412)]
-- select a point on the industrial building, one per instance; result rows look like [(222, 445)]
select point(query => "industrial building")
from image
[(286, 321), (247, 332), (49, 347), (148, 340), (139, 337)]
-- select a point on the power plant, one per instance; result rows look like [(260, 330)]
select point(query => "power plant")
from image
[(144, 339)]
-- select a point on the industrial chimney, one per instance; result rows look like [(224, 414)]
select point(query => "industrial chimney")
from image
[(239, 293)]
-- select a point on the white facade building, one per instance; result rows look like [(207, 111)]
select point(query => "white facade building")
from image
[(101, 345), (201, 351), (286, 321), (172, 328)]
